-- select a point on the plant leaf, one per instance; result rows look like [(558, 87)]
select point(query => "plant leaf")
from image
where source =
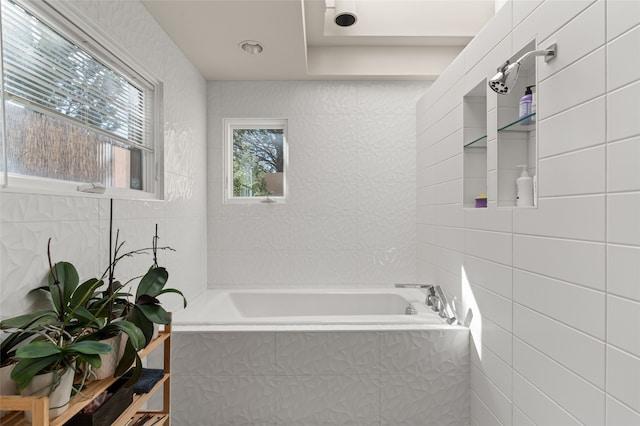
[(93, 360), (87, 347), (26, 369), (155, 313), (24, 321), (153, 282), (68, 281), (38, 349), (176, 291), (84, 292), (137, 317)]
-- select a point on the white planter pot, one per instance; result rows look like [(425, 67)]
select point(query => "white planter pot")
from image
[(109, 360), (7, 386), (59, 396)]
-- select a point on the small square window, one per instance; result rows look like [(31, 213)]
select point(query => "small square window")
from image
[(255, 160)]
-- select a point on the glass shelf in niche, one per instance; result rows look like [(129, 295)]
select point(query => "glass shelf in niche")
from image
[(511, 127)]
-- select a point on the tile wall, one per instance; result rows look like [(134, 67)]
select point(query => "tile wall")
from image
[(556, 289), (78, 225), (350, 217), (393, 378)]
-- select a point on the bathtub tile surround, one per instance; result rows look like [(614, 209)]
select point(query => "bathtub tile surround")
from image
[(277, 377), (554, 289), (350, 217)]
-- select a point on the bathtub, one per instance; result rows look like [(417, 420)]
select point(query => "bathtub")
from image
[(315, 357), (308, 307)]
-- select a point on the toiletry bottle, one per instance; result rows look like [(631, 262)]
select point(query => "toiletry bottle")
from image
[(524, 188), (525, 106)]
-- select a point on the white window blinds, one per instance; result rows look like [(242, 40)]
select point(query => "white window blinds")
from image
[(47, 70)]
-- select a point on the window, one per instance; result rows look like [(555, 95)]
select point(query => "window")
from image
[(255, 160), (74, 111)]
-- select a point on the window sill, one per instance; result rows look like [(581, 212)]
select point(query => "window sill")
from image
[(41, 186)]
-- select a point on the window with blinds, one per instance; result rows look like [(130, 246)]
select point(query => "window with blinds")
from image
[(71, 114)]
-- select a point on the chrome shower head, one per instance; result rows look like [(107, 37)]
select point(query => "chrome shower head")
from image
[(505, 79)]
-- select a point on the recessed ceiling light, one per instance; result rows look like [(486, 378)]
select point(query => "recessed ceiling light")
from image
[(251, 47)]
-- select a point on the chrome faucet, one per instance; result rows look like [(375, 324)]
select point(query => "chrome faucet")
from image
[(431, 292), (436, 299)]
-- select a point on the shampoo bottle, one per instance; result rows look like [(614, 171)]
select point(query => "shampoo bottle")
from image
[(526, 108), (524, 188)]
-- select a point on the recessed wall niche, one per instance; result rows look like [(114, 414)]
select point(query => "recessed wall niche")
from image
[(475, 143), (517, 142)]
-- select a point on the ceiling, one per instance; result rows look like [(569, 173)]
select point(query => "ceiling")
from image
[(391, 39)]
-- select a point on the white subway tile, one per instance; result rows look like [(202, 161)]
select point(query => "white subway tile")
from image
[(574, 129), (623, 55), (451, 238), (623, 225), (520, 419), (498, 403), (623, 324), (449, 169), (497, 339), (622, 15), (450, 261), (580, 398), (574, 261), (577, 306), (581, 172), (619, 414), (449, 146), (537, 406), (490, 275), (546, 20), (488, 219), (623, 377), (622, 160), (480, 413), (579, 218), (623, 271), (581, 81), (623, 106), (494, 246), (449, 192), (577, 38), (544, 333), (497, 308), (496, 370)]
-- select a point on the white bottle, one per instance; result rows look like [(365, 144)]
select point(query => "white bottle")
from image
[(524, 188)]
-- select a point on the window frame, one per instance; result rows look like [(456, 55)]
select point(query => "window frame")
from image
[(66, 21), (229, 125)]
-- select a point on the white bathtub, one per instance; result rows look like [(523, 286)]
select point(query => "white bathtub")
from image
[(308, 307), (317, 357)]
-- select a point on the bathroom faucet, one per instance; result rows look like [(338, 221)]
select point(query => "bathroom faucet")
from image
[(436, 299), (431, 293)]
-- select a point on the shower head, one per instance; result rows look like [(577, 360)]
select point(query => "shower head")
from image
[(505, 79)]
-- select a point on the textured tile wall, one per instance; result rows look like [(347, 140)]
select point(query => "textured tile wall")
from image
[(350, 217), (556, 289), (78, 225), (368, 378)]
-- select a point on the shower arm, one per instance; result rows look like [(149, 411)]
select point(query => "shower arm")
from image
[(548, 53)]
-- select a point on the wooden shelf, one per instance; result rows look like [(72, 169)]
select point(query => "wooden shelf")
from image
[(40, 405)]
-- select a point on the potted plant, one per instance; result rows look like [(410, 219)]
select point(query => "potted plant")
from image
[(46, 364)]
